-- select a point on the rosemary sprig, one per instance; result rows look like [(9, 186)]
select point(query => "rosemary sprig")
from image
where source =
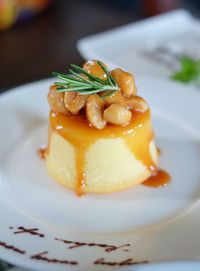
[(84, 83)]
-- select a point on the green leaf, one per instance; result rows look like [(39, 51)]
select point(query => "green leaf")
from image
[(189, 70)]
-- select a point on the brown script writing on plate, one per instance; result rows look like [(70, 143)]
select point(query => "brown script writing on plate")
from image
[(41, 257), (129, 261), (11, 247), (33, 231), (75, 244)]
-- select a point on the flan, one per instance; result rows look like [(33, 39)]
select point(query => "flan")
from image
[(100, 139)]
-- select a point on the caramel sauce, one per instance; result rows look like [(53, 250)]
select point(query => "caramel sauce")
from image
[(159, 178), (137, 136), (158, 151), (42, 152)]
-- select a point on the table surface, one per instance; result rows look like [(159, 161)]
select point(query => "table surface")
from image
[(47, 43)]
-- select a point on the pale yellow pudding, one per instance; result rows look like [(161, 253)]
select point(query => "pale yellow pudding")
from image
[(98, 153), (89, 160)]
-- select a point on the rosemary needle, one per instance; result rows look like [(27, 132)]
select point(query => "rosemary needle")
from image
[(79, 80)]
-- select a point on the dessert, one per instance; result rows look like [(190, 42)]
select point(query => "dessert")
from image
[(100, 133)]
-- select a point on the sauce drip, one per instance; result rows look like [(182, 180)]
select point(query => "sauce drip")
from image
[(76, 130), (42, 152), (159, 178), (158, 151)]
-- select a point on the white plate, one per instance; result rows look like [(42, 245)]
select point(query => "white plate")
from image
[(99, 231), (156, 42)]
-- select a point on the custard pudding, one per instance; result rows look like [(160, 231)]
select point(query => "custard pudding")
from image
[(100, 132)]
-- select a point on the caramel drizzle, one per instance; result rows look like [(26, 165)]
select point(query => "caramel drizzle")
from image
[(80, 159), (159, 178), (42, 152), (80, 146), (159, 151), (137, 135)]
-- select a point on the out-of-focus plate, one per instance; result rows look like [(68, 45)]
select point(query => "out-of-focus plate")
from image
[(149, 47)]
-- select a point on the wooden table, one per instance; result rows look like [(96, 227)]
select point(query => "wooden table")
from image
[(48, 43)]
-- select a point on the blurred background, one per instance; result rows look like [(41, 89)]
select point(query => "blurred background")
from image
[(39, 36)]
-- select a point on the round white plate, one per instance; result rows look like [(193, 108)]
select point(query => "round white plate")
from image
[(44, 226)]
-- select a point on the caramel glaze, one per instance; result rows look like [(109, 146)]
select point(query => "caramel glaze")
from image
[(93, 68), (42, 152), (158, 151), (137, 135), (159, 178)]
